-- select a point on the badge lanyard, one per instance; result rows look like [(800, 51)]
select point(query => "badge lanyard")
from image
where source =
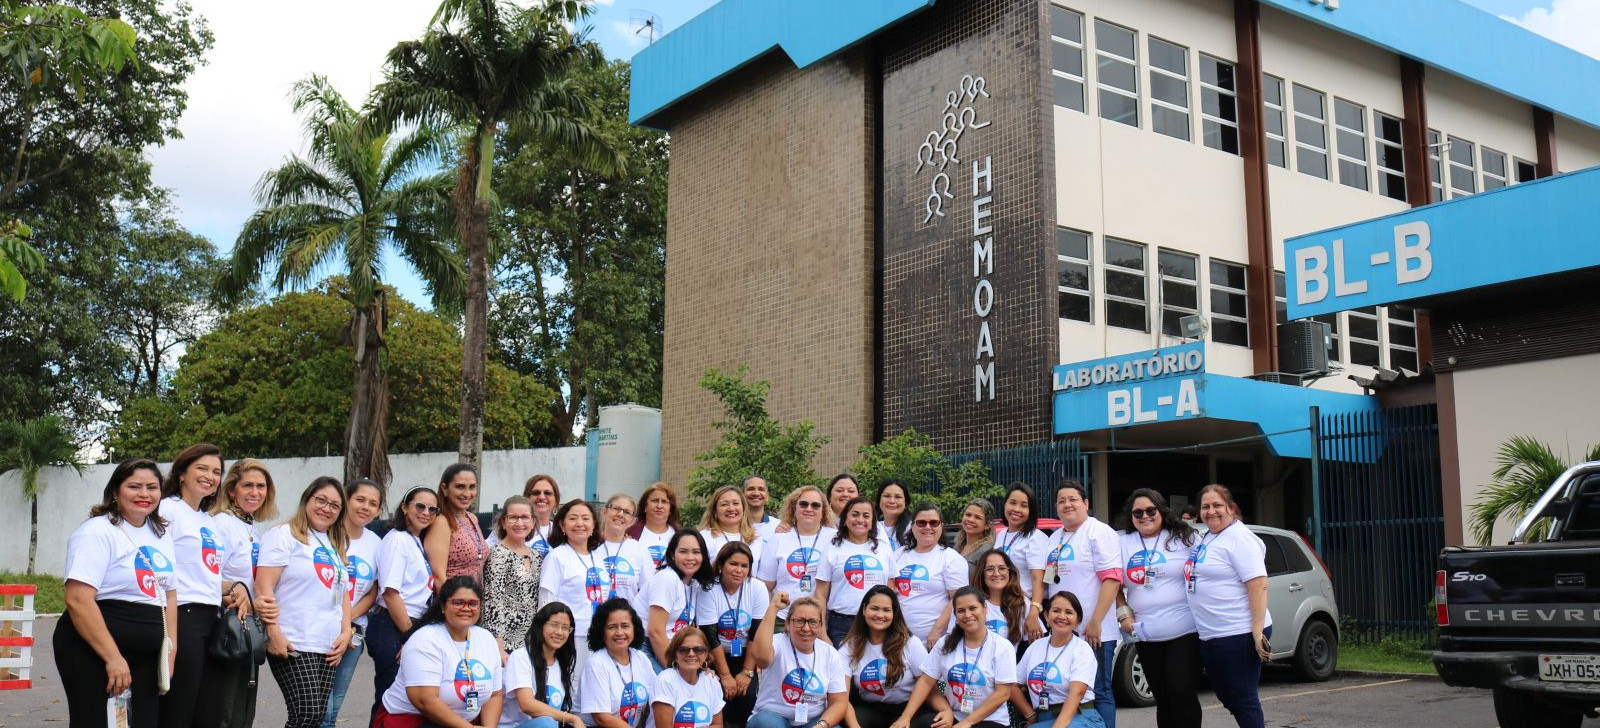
[(1013, 534), (1194, 567), (806, 580), (610, 566), (1150, 572), (471, 700), (1044, 694), (482, 549), (427, 570), (688, 601), (338, 589), (737, 648), (802, 711), (593, 606), (625, 683), (967, 702), (1067, 542)]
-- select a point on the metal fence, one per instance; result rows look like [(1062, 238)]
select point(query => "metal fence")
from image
[(1041, 466), (1382, 518)]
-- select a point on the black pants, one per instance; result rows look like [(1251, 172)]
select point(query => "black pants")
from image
[(238, 695), (383, 643), (195, 700), (871, 713), (838, 627), (924, 719), (305, 679), (736, 712), (1173, 668), (136, 629)]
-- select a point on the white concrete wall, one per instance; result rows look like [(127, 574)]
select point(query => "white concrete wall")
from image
[(66, 497), (1577, 145), (1553, 400)]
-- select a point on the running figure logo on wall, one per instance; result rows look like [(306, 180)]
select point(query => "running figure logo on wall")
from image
[(942, 145)]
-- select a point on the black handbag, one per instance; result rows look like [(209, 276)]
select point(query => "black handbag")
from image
[(237, 640)]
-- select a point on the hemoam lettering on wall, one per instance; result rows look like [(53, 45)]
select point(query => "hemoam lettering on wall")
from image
[(1159, 385), (982, 267)]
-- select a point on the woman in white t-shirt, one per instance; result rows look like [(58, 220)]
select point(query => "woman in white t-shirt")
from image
[(1226, 579), (929, 575), (658, 520), (858, 561), (405, 586), (363, 500), (1028, 548), (617, 683), (541, 490), (303, 569), (1058, 673), (724, 522), (728, 613), (629, 563), (793, 555), (804, 681), (687, 694), (1154, 607), (247, 495), (539, 674), (121, 601), (673, 592), (883, 658), (450, 673), (1006, 610), (892, 503), (573, 572), (1086, 559), (978, 668)]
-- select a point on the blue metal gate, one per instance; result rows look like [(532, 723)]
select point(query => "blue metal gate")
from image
[(1041, 466)]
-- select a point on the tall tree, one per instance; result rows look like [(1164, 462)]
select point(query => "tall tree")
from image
[(357, 192), (582, 268), (29, 447), (18, 259), (482, 64)]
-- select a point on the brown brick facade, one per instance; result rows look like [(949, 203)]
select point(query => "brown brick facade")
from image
[(770, 253)]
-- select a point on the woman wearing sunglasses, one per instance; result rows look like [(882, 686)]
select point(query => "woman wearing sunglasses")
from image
[(792, 559), (405, 584), (930, 573), (1154, 607), (687, 694), (804, 681), (451, 675)]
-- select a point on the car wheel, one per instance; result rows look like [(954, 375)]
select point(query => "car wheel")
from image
[(1131, 685), (1316, 654), (1520, 710)]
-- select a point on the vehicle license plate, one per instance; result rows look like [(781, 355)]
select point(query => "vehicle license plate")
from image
[(1570, 668)]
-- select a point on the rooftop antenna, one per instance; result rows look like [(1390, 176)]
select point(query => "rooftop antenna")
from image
[(644, 22)]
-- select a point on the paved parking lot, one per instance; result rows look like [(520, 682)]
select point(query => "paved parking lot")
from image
[(1343, 702)]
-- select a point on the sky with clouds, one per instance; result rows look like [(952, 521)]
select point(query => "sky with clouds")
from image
[(239, 125)]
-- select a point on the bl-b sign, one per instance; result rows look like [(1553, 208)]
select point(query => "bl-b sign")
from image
[(1159, 385)]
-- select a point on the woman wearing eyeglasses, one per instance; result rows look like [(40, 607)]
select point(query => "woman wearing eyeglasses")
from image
[(511, 577), (858, 561), (883, 657), (687, 695), (247, 495), (673, 592), (1086, 559), (405, 583), (616, 686), (1154, 609), (791, 561), (539, 674), (450, 675), (804, 681), (728, 612), (363, 502), (1227, 592), (1058, 673), (978, 668), (930, 573), (724, 522), (1028, 548), (303, 568), (1006, 609), (629, 563)]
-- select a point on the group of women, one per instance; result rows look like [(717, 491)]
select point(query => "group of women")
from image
[(837, 610)]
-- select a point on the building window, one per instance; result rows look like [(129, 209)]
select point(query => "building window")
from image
[(1526, 171), (1335, 333), (1277, 141), (1230, 323), (1364, 347), (1350, 133), (1066, 66), (1463, 173), (1390, 156), (1180, 289), (1116, 53), (1219, 105), (1310, 132), (1072, 274), (1169, 89), (1403, 339), (1280, 296), (1126, 295), (1494, 169), (1436, 163)]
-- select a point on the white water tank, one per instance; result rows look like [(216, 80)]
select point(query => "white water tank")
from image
[(627, 447)]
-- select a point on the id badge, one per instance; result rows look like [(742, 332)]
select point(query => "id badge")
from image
[(472, 701), (1043, 703), (1050, 574), (966, 704), (736, 647), (805, 583), (1189, 586), (802, 711)]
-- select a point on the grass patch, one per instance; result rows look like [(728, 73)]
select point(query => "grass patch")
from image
[(52, 593), (1386, 656)]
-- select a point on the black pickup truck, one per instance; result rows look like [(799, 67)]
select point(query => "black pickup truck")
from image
[(1524, 619)]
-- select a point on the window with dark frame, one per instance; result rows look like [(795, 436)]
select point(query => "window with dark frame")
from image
[(1127, 295), (1073, 290), (1219, 105), (1389, 155), (1277, 137), (1116, 51), (1066, 66), (1230, 322), (1311, 132), (1180, 289)]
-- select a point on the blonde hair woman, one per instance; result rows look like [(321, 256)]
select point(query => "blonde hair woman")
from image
[(247, 495), (794, 556), (724, 522)]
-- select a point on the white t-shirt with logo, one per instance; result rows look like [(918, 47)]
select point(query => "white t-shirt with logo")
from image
[(788, 557), (1028, 553), (431, 657), (311, 591), (736, 615), (692, 705), (620, 690), (582, 583), (120, 561), (715, 542), (1220, 565), (629, 565), (519, 676), (403, 568), (197, 552), (972, 675), (851, 569), (361, 565), (794, 679), (1050, 671), (924, 583), (994, 618), (1082, 559), (1152, 571), (655, 544), (871, 671), (670, 594), (242, 548)]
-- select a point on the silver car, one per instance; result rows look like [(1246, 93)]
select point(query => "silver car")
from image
[(1305, 619)]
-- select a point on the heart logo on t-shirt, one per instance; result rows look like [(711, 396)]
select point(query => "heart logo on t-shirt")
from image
[(693, 714), (870, 680), (322, 562)]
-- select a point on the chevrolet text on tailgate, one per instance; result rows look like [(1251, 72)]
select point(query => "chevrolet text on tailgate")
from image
[(1524, 619)]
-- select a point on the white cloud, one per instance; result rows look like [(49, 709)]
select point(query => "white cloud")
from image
[(630, 36), (1574, 23)]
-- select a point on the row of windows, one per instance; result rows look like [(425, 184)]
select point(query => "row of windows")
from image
[(1469, 163), (1374, 336), (1133, 294)]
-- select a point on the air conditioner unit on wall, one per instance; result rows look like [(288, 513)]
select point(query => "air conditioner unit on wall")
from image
[(1303, 348)]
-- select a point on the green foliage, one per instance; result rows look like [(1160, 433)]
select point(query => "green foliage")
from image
[(1526, 468), (58, 44), (52, 596), (29, 447), (752, 444), (910, 458), (18, 260)]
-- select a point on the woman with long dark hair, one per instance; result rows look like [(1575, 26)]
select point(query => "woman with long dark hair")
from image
[(405, 586), (617, 683), (1005, 607), (658, 520), (1227, 592), (1058, 673), (247, 495), (363, 499), (978, 669), (1028, 547), (539, 674), (728, 612), (121, 601), (451, 674), (1156, 608), (893, 499), (930, 573), (883, 657), (673, 592), (457, 547), (858, 561), (686, 696)]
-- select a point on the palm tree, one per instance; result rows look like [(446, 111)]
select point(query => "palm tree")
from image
[(30, 447), (481, 64), (1526, 469), (358, 190)]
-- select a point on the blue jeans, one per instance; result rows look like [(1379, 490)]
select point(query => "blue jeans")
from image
[(1104, 701), (342, 675), (1234, 670), (769, 719), (1084, 719), (383, 643), (543, 721)]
